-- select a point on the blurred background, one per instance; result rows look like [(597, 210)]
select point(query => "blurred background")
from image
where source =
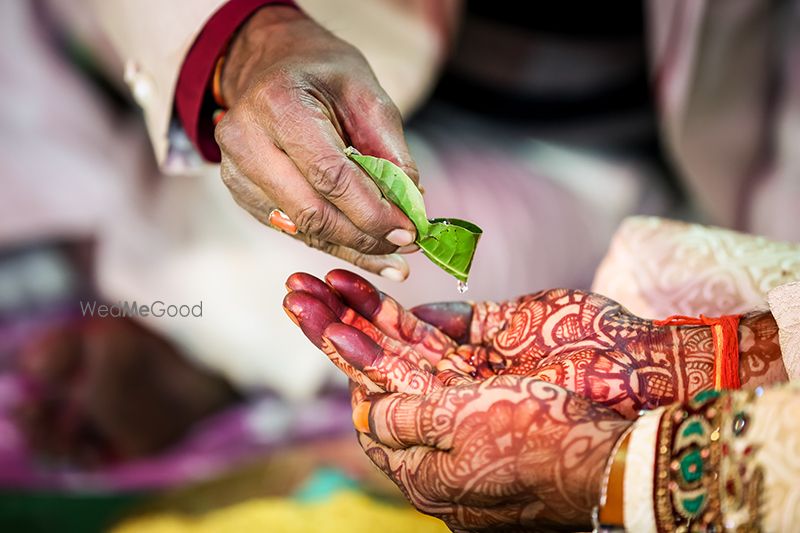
[(546, 125)]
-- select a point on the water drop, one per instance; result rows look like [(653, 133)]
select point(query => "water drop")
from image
[(462, 287)]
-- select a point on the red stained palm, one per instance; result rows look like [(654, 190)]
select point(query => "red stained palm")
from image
[(578, 340)]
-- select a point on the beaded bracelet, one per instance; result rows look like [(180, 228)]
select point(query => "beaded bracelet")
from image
[(687, 466)]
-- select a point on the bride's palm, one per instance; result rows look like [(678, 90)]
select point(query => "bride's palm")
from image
[(581, 341)]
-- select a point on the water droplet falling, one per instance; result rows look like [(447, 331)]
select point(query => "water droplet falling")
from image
[(462, 287)]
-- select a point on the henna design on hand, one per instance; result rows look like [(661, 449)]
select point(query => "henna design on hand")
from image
[(503, 431), (578, 340), (760, 361), (592, 345), (508, 451)]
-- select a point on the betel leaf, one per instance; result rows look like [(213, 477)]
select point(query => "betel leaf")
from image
[(448, 242), (451, 244), (395, 185)]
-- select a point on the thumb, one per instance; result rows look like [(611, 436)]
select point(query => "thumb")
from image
[(403, 421), (392, 266), (452, 318)]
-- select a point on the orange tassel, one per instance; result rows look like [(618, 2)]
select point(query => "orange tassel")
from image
[(725, 334)]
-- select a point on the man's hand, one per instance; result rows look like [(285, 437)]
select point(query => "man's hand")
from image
[(508, 452), (298, 96)]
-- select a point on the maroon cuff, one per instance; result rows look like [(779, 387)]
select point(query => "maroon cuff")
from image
[(193, 100)]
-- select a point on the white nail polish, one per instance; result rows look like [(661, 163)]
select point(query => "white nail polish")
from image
[(400, 237), (392, 274)]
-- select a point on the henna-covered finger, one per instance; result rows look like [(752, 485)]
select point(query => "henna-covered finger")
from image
[(389, 372), (310, 314), (303, 282), (358, 393), (408, 467), (469, 322), (389, 316), (313, 317), (457, 368), (453, 318), (400, 465), (405, 420)]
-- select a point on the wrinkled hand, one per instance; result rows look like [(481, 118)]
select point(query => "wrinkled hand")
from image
[(509, 452), (298, 96)]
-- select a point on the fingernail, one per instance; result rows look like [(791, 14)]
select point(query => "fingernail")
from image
[(392, 274), (361, 417), (410, 249), (281, 220), (400, 237)]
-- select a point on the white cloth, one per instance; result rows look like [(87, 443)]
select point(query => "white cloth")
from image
[(658, 267), (638, 512), (784, 302)]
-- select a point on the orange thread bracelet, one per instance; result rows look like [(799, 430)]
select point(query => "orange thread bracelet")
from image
[(216, 90), (725, 334), (216, 82)]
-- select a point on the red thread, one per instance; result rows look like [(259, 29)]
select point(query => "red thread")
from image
[(725, 334)]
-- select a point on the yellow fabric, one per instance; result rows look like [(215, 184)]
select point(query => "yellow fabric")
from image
[(345, 512)]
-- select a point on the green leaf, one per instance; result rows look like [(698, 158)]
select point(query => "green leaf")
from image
[(395, 185), (451, 244), (448, 242)]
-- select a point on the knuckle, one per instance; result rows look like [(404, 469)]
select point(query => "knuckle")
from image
[(272, 84), (315, 220), (384, 107), (232, 177), (229, 131), (361, 261), (271, 93), (320, 244), (329, 173), (228, 175), (366, 244)]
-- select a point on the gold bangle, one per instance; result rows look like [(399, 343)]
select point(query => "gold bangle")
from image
[(611, 508)]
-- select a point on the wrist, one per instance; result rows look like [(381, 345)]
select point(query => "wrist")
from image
[(592, 479), (729, 351), (760, 357), (262, 38)]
